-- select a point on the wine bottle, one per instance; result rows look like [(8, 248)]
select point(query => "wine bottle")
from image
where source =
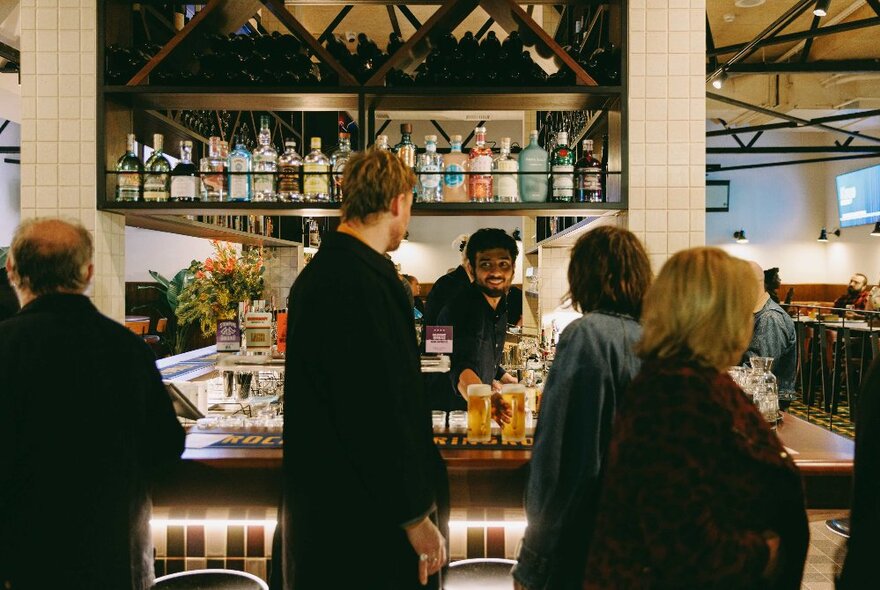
[(184, 177), (129, 173)]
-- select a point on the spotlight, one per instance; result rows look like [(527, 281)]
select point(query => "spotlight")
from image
[(719, 80), (405, 237), (821, 8), (876, 232), (740, 237), (823, 235)]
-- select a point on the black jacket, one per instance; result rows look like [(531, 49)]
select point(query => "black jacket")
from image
[(85, 425), (359, 456), (444, 290)]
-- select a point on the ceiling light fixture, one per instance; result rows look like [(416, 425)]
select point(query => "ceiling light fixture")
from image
[(876, 232), (719, 80), (740, 237), (823, 235), (821, 8)]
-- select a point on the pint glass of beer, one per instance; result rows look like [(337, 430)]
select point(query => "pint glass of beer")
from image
[(514, 395), (479, 413)]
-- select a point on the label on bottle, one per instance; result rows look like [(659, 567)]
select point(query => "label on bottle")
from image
[(428, 180), (239, 185), (338, 170), (481, 164), (258, 332), (281, 331), (128, 186), (505, 184), (156, 187), (407, 153), (228, 336), (264, 184), (590, 179), (563, 181), (184, 187), (316, 181), (288, 180), (454, 177)]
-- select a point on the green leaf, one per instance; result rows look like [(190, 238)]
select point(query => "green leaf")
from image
[(159, 278)]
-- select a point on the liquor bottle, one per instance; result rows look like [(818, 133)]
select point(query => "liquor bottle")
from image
[(455, 165), (316, 172), (429, 168), (382, 142), (213, 169), (184, 177), (562, 167), (290, 173), (406, 149), (588, 176), (130, 173), (480, 180), (338, 160), (238, 164), (266, 162), (506, 190), (533, 159), (157, 170), (314, 234)]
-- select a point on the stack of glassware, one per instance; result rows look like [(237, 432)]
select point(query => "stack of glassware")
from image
[(759, 384)]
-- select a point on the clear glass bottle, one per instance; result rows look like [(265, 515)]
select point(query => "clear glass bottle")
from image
[(185, 177), (316, 173), (505, 185), (406, 149), (534, 164), (588, 176), (338, 160), (765, 391), (382, 142), (480, 163), (239, 167), (213, 169), (266, 162), (430, 189), (562, 168), (290, 173), (455, 165), (130, 173), (157, 172)]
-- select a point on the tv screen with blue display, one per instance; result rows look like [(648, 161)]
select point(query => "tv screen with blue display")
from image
[(858, 197)]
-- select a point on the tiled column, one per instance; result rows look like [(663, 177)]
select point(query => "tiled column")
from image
[(58, 83), (667, 124)]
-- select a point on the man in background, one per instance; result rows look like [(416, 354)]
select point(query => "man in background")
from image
[(85, 426), (856, 296), (448, 286), (774, 336), (362, 477)]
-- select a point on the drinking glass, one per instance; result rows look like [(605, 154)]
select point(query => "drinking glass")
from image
[(479, 413), (514, 395)]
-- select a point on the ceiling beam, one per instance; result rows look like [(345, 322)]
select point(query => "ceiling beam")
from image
[(796, 149), (800, 36), (833, 66), (10, 53), (805, 54), (791, 125), (334, 23), (712, 168), (875, 4)]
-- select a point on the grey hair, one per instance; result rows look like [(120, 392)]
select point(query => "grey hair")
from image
[(51, 261)]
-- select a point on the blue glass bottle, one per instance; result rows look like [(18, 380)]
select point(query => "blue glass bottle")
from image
[(240, 165), (533, 187)]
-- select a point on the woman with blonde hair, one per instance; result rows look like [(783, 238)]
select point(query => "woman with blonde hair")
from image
[(699, 492)]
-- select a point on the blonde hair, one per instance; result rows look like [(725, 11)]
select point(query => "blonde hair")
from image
[(699, 309), (371, 179)]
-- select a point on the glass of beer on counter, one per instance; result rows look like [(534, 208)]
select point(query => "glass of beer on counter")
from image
[(514, 396), (479, 413)]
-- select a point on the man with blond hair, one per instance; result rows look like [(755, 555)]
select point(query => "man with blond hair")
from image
[(85, 426), (362, 476)]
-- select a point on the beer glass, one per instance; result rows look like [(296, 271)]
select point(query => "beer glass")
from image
[(514, 395), (479, 413)]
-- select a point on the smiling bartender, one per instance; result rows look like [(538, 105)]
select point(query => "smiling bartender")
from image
[(478, 315)]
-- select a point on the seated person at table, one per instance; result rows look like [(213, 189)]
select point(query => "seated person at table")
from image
[(774, 337), (856, 296), (478, 316), (873, 303), (772, 282)]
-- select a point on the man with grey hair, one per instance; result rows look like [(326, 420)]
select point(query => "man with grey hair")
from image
[(85, 425)]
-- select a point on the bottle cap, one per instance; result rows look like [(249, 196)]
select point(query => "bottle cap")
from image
[(406, 127), (562, 137), (455, 139), (480, 130), (381, 139), (316, 143), (431, 138), (533, 134), (344, 135)]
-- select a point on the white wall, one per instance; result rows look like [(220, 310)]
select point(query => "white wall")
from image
[(10, 185), (147, 250)]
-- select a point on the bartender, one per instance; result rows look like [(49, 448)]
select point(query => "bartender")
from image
[(478, 316)]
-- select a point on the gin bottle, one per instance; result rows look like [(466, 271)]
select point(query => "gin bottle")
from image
[(480, 181), (338, 160), (406, 149), (588, 176), (184, 177), (455, 165), (533, 159), (157, 170), (265, 161), (290, 174), (213, 169), (316, 171), (562, 167), (506, 190), (430, 165), (130, 173), (238, 165), (382, 142)]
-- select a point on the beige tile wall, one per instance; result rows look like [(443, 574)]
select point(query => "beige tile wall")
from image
[(58, 88)]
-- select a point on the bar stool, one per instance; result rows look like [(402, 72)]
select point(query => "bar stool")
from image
[(479, 574), (139, 327), (210, 579)]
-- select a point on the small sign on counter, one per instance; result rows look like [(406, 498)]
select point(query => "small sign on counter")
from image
[(438, 339)]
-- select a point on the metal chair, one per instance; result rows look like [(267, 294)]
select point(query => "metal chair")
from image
[(479, 574), (210, 579)]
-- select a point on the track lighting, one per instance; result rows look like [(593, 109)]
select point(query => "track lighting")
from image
[(740, 237), (821, 8), (823, 235), (876, 232), (719, 80)]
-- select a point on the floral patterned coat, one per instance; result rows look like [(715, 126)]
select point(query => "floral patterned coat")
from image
[(695, 477)]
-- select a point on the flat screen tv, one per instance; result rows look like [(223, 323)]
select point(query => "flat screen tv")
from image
[(858, 197)]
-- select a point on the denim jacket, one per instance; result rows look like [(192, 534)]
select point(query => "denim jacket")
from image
[(774, 336), (594, 365)]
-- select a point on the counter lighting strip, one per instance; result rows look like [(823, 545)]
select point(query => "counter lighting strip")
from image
[(271, 522)]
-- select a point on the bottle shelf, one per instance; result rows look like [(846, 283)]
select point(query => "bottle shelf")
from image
[(197, 229)]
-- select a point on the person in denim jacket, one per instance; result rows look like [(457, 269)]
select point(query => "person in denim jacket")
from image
[(608, 275)]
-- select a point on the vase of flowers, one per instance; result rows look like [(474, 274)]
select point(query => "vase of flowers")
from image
[(221, 282)]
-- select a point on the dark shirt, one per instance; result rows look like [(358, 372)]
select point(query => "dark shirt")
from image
[(857, 300), (85, 428), (443, 291), (360, 461), (8, 299), (514, 305), (774, 336), (477, 337)]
